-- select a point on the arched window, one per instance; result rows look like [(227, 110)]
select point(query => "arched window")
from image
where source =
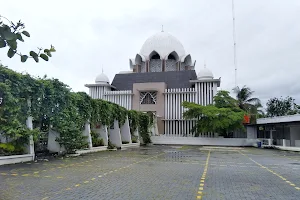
[(155, 62), (148, 97), (155, 56), (171, 62), (171, 57)]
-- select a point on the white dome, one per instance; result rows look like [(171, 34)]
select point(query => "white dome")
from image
[(205, 74), (164, 44), (102, 79)]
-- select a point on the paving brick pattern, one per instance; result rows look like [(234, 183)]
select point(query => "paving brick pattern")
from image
[(158, 172)]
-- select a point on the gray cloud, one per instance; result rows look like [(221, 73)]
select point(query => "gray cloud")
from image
[(107, 33)]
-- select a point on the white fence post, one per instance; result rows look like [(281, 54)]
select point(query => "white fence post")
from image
[(30, 126)]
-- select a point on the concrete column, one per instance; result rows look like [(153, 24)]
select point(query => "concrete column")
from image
[(115, 135), (284, 142), (87, 132), (152, 130), (125, 132), (271, 134), (31, 143), (155, 125), (270, 142), (136, 133), (104, 134), (30, 126)]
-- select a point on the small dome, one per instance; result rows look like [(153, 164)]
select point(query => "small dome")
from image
[(163, 43), (205, 74), (102, 79)]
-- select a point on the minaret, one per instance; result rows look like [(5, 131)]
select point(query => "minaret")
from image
[(205, 86), (101, 85)]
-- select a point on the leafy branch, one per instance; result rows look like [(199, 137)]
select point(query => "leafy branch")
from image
[(11, 33)]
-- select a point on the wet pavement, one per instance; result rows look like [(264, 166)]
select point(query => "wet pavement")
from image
[(158, 172)]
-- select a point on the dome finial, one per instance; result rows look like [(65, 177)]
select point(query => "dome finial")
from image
[(162, 28), (102, 70), (204, 63)]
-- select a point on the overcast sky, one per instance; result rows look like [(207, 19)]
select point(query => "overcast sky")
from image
[(94, 34)]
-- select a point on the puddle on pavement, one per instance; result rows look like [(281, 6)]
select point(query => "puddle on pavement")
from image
[(294, 163)]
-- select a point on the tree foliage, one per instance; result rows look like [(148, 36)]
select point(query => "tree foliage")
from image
[(55, 106), (223, 117), (223, 100), (145, 122), (11, 33), (282, 107), (245, 100)]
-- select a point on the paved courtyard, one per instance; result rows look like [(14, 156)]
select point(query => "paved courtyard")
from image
[(158, 172)]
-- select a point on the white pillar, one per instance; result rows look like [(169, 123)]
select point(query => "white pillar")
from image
[(270, 141), (136, 133), (31, 143), (271, 134), (30, 126), (284, 142), (87, 132), (155, 124), (125, 132), (104, 134), (114, 135)]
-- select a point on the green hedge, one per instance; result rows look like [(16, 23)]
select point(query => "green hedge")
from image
[(55, 105)]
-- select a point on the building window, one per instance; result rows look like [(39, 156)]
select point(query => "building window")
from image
[(148, 97)]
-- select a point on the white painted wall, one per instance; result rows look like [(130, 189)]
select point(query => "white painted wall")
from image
[(115, 135), (125, 132), (251, 132), (294, 134), (54, 146), (297, 143), (203, 141), (122, 98), (103, 133), (175, 125), (87, 132)]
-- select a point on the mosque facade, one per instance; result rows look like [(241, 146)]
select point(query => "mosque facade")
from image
[(161, 76)]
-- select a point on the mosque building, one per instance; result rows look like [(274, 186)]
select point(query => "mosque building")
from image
[(161, 76)]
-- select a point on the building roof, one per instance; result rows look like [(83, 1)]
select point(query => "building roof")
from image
[(279, 119), (173, 79), (163, 43)]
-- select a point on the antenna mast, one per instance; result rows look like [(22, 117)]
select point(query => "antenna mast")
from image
[(234, 45)]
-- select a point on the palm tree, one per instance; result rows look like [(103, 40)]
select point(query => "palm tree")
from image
[(245, 101)]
